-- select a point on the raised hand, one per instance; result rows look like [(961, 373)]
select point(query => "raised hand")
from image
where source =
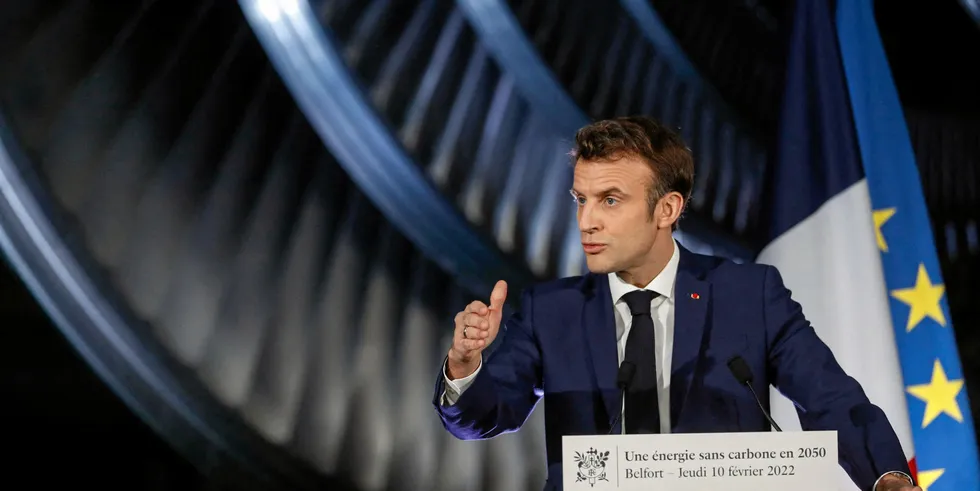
[(476, 327)]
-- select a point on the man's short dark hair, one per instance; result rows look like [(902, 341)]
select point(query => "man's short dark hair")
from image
[(661, 148)]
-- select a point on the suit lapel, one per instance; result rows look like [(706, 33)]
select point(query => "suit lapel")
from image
[(693, 297), (600, 334)]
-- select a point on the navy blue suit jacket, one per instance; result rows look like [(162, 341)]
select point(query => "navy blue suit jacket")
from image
[(561, 345)]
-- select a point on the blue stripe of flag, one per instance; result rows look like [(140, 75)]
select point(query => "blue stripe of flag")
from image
[(816, 151), (945, 447)]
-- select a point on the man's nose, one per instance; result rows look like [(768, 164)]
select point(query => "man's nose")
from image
[(587, 220)]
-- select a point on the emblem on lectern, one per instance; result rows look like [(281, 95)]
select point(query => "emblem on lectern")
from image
[(591, 466)]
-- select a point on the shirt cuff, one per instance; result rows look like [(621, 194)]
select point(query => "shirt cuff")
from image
[(896, 473), (454, 388)]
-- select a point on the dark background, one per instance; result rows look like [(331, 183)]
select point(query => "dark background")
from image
[(66, 428)]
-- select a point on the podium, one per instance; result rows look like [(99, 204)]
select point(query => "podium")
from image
[(759, 461)]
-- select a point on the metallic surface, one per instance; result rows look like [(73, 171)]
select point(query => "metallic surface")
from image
[(973, 9), (309, 63)]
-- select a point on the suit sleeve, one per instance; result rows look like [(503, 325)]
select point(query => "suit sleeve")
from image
[(806, 371), (505, 391)]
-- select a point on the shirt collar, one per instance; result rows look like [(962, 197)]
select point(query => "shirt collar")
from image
[(663, 283)]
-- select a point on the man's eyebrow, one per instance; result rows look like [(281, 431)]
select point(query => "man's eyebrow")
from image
[(604, 192), (612, 190)]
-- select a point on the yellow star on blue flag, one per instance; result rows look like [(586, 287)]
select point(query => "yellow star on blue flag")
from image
[(923, 300), (927, 478), (939, 395), (880, 217)]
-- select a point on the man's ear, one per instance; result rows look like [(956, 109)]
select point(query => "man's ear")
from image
[(669, 209)]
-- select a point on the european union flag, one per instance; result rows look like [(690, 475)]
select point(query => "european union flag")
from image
[(942, 428)]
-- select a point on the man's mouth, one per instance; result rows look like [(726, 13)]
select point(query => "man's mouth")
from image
[(593, 247)]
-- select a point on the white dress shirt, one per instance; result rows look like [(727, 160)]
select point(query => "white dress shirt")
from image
[(662, 311)]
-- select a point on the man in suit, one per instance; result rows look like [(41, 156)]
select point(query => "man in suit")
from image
[(676, 317)]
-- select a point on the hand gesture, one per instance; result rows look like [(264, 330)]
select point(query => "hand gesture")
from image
[(476, 327)]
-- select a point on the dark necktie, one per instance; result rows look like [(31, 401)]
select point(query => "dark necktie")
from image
[(642, 411)]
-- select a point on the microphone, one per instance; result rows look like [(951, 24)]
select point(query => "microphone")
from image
[(743, 374), (623, 379)]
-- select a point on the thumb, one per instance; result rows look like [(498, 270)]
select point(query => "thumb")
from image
[(497, 298)]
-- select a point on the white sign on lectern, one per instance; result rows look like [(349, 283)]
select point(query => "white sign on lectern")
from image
[(763, 461)]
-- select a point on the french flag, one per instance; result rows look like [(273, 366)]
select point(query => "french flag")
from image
[(851, 236)]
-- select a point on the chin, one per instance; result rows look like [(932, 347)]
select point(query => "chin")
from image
[(597, 265)]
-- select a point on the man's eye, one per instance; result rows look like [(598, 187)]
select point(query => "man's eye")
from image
[(580, 200), (611, 201)]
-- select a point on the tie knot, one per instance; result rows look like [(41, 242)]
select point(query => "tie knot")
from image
[(639, 301)]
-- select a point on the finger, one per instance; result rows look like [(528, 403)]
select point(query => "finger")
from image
[(470, 332), (469, 345), (477, 307), (498, 296), (466, 348), (475, 321)]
